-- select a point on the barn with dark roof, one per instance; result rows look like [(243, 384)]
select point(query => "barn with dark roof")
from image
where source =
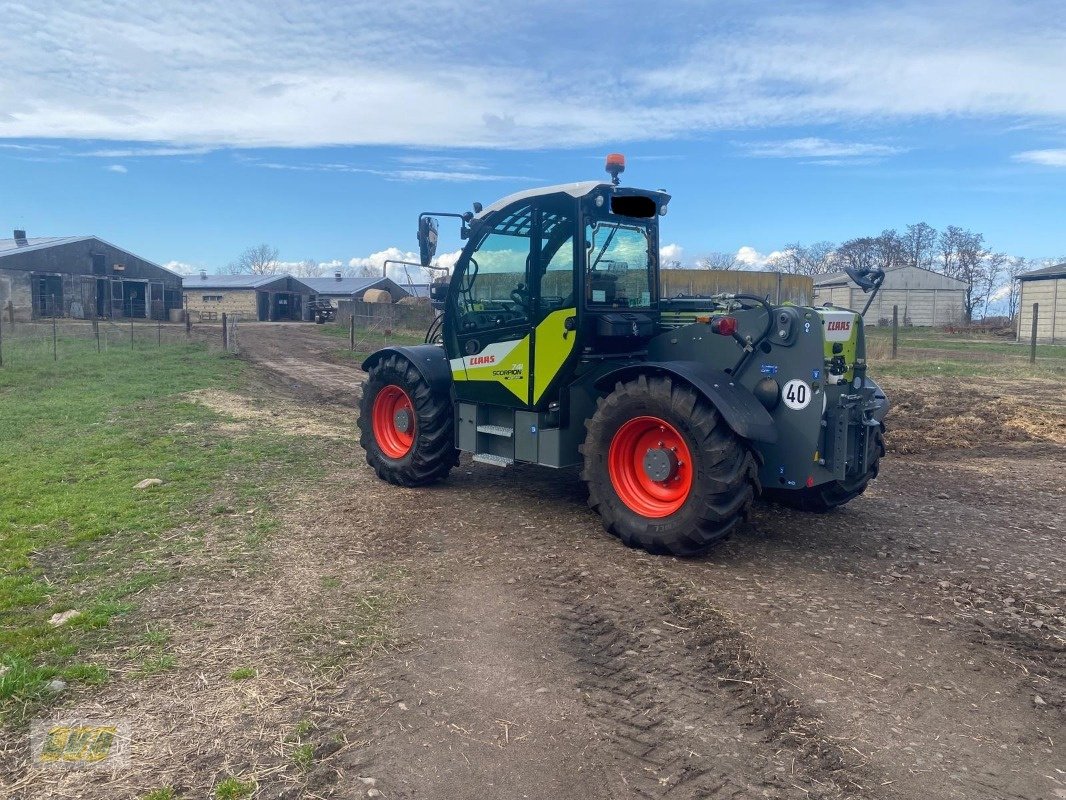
[(82, 277)]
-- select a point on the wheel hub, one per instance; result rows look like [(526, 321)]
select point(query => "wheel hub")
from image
[(402, 420), (660, 464)]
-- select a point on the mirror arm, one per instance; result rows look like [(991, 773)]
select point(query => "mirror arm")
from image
[(466, 217), (879, 278)]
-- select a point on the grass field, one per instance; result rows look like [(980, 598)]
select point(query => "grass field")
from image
[(74, 533), (367, 341), (928, 352)]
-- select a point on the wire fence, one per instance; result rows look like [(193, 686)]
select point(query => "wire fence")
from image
[(57, 339)]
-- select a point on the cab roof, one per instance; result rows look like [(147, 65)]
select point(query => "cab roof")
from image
[(575, 190)]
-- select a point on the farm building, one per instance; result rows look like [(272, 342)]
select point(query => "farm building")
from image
[(1047, 287), (82, 277), (260, 298), (703, 282), (925, 298), (339, 288)]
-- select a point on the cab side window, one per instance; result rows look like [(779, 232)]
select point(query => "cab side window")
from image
[(556, 262), (495, 291)]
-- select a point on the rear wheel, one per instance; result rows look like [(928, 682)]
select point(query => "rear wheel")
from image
[(405, 427), (663, 469), (827, 496)]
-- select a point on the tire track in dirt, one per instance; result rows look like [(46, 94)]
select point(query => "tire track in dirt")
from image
[(745, 670)]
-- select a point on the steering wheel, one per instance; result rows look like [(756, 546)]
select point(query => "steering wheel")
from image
[(520, 295), (867, 279)]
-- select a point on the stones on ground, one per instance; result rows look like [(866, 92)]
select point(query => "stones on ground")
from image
[(63, 617), (148, 482), (56, 685), (1038, 700)]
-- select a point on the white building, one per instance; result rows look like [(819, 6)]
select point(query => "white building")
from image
[(925, 298), (1047, 287)]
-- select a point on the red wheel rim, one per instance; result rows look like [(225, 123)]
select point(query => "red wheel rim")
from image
[(390, 406), (629, 475)]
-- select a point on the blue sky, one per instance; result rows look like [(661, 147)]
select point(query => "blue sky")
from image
[(189, 132)]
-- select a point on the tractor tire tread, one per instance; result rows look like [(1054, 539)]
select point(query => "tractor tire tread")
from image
[(433, 454)]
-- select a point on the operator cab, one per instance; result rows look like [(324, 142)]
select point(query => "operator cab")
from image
[(547, 277)]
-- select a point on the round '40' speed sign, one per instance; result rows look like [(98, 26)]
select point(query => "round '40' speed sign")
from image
[(796, 394)]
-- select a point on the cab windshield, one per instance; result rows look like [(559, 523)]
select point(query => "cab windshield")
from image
[(619, 266)]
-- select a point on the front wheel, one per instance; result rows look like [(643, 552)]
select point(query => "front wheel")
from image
[(407, 429), (664, 470)]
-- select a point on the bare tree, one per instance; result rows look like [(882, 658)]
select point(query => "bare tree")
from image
[(308, 268), (889, 250), (861, 253), (1015, 267), (991, 271), (799, 259), (919, 245), (259, 260), (719, 260)]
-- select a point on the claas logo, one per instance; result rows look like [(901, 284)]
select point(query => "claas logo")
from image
[(840, 325), (83, 743)]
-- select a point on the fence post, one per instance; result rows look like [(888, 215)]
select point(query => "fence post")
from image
[(351, 331), (96, 333), (188, 324), (131, 330), (1, 341), (1032, 342), (225, 333), (55, 336), (159, 335), (895, 330), (11, 312)]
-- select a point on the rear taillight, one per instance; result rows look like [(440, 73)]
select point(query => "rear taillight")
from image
[(724, 326)]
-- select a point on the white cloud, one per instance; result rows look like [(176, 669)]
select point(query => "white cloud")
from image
[(140, 152), (1047, 158), (117, 168), (449, 176), (203, 74), (182, 268), (670, 252), (754, 260), (812, 147)]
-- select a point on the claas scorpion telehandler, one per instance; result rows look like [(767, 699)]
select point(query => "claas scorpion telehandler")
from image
[(555, 347)]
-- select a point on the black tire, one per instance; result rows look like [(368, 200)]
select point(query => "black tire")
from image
[(824, 498), (432, 454), (724, 484)]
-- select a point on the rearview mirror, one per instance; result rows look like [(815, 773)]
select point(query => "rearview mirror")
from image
[(427, 239)]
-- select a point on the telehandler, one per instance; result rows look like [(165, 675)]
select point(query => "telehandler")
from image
[(554, 347)]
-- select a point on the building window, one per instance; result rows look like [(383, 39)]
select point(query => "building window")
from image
[(212, 298)]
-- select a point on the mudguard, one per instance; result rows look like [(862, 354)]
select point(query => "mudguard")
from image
[(429, 359), (741, 411)]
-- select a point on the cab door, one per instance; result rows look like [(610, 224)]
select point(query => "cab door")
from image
[(489, 338), (555, 319)]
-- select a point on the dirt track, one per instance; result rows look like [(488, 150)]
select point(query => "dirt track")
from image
[(908, 646)]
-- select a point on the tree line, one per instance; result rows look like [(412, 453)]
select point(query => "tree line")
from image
[(954, 252)]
